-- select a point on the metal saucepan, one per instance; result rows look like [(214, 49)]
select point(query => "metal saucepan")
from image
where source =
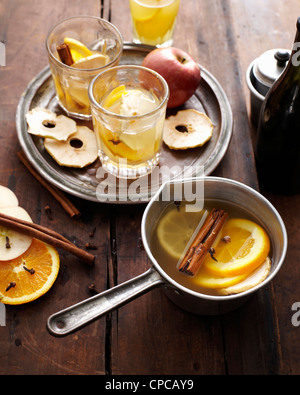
[(80, 314)]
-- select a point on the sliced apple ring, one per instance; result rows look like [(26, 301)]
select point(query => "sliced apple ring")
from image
[(7, 197), (254, 279), (12, 243), (45, 123), (91, 62), (79, 150), (187, 129)]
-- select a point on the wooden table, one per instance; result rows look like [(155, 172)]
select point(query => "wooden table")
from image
[(150, 335)]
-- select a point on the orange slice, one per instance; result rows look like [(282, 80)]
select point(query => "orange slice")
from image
[(208, 280), (77, 49), (18, 285), (247, 248)]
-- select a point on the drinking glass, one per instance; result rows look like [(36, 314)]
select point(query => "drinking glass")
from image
[(153, 21), (128, 109), (100, 37)]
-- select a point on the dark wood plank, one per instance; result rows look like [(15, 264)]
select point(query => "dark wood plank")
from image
[(150, 335), (159, 312), (26, 346), (250, 335), (264, 28)]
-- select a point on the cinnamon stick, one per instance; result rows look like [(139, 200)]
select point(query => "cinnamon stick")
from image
[(65, 54), (47, 235), (203, 241), (67, 205)]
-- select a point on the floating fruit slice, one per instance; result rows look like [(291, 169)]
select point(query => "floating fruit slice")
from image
[(29, 276), (187, 129), (91, 62), (255, 278), (137, 102), (143, 14), (79, 150), (208, 280), (78, 94), (7, 197), (113, 97), (12, 243), (176, 229), (248, 248), (78, 50)]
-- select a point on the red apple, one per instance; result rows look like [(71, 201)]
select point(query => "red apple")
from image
[(180, 71)]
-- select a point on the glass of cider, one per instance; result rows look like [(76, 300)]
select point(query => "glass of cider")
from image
[(128, 109), (78, 49), (153, 21)]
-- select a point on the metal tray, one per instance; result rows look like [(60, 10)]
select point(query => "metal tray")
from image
[(91, 183)]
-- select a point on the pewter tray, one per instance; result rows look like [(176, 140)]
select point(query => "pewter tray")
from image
[(91, 183)]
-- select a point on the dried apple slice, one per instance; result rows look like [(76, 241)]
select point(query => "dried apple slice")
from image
[(45, 123), (7, 197), (79, 150), (12, 243), (187, 129)]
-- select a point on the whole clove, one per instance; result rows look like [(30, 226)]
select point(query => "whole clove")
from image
[(92, 233), (49, 212), (7, 243), (211, 253), (90, 246), (31, 271), (11, 285)]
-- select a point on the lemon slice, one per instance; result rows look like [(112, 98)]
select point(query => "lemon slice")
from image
[(77, 49), (247, 249), (176, 229), (144, 13), (113, 97)]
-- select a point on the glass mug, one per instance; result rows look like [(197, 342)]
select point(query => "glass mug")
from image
[(153, 21), (96, 44), (128, 109)]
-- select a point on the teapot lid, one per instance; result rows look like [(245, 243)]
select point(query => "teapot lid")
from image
[(270, 65)]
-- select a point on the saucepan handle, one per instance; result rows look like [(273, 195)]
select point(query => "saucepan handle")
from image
[(74, 317)]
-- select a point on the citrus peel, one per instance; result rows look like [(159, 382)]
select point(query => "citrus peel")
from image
[(29, 276)]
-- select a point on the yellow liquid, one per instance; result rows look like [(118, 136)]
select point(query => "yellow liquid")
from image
[(153, 21), (72, 88), (134, 141), (72, 94), (169, 256)]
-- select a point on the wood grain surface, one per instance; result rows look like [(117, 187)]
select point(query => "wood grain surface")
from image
[(150, 335)]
